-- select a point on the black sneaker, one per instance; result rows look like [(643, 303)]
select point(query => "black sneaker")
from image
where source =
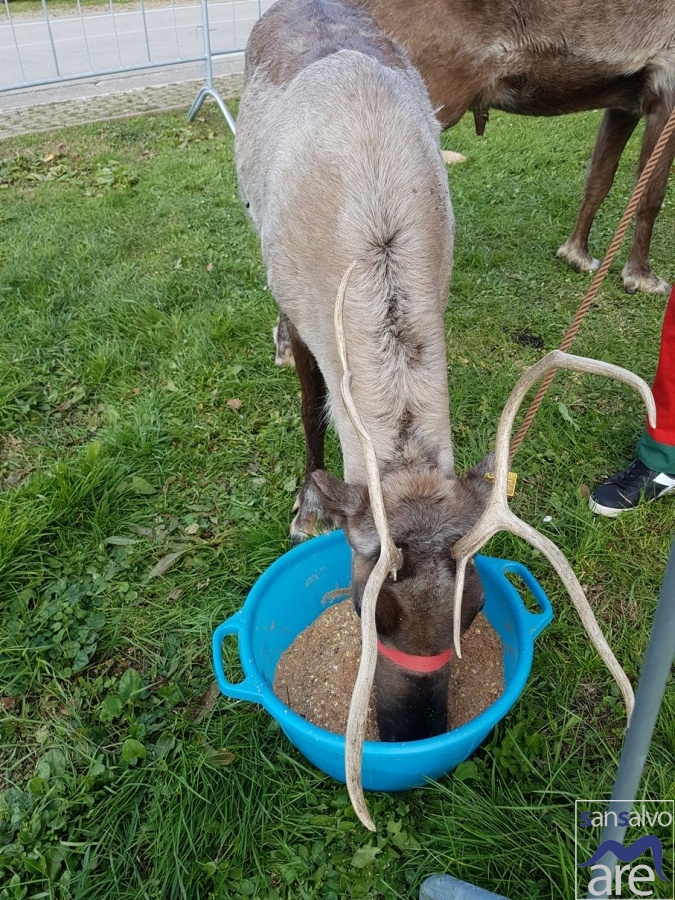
[(622, 491)]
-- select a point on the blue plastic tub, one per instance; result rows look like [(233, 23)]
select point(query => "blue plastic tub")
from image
[(290, 595)]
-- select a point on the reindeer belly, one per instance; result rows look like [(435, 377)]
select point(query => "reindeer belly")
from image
[(563, 86)]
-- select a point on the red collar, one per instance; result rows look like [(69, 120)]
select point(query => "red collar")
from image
[(415, 663)]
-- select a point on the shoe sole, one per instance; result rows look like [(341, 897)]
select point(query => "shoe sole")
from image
[(609, 511), (612, 513)]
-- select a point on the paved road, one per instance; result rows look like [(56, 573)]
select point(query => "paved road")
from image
[(26, 55), (96, 43)]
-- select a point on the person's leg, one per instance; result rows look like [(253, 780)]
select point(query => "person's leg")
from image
[(652, 474)]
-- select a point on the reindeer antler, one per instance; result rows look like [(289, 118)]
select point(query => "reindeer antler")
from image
[(498, 517), (390, 561)]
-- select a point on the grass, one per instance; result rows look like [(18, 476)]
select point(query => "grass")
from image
[(139, 504)]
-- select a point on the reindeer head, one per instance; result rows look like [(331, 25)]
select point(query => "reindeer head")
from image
[(427, 514), (495, 517)]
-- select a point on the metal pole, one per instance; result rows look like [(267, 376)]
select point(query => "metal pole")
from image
[(84, 34), (117, 39), (658, 660), (51, 36), (209, 90), (145, 31), (16, 45)]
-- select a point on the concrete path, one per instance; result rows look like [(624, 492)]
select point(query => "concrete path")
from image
[(76, 104)]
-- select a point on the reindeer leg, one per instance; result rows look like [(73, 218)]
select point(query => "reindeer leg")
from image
[(311, 518), (616, 127), (637, 274), (282, 341)]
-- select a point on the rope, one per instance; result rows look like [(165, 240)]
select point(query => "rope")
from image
[(586, 303)]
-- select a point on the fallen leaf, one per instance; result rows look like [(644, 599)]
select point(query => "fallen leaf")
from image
[(15, 478), (176, 593), (235, 403), (565, 413), (78, 395), (222, 757), (204, 704), (143, 531), (364, 856), (140, 486), (166, 562), (167, 484)]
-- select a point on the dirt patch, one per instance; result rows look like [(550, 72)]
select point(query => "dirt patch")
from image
[(14, 464), (316, 675)]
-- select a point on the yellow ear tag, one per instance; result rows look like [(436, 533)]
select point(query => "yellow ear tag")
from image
[(511, 480)]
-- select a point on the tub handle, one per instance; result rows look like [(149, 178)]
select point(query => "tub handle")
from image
[(249, 688), (537, 621)]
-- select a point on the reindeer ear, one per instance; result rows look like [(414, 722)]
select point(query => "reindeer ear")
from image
[(481, 469), (475, 478), (349, 506)]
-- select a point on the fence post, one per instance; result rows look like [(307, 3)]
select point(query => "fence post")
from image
[(209, 89)]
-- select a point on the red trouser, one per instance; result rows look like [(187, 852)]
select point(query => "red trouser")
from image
[(664, 382)]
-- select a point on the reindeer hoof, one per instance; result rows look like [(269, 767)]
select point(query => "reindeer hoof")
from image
[(282, 341), (308, 527), (643, 282), (580, 260), (310, 519)]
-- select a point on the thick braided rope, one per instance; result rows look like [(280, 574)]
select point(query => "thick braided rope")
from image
[(572, 331)]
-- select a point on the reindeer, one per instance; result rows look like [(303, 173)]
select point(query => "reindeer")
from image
[(338, 159), (539, 58), (337, 153)]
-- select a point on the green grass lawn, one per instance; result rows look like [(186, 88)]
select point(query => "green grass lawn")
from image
[(150, 452)]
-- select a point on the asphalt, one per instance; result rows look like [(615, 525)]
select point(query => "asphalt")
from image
[(78, 103)]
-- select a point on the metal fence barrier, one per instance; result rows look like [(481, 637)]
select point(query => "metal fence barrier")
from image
[(40, 48)]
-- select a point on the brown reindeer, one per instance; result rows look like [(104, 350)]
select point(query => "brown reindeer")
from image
[(542, 58)]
